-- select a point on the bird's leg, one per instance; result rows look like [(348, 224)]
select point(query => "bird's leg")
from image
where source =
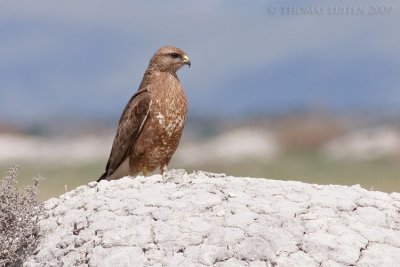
[(144, 170), (164, 170)]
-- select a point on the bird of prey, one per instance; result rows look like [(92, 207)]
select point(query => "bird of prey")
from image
[(152, 122)]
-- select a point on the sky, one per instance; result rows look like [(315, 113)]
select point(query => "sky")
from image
[(84, 59)]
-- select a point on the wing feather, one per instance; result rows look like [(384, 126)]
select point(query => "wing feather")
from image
[(130, 124)]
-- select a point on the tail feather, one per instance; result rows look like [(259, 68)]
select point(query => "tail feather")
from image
[(102, 177)]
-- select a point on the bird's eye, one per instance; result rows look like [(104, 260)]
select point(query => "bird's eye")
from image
[(174, 55)]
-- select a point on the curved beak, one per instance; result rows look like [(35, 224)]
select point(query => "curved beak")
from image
[(186, 60)]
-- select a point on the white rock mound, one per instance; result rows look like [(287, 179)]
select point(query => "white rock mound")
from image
[(204, 219)]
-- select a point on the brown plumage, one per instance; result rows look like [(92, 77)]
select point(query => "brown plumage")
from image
[(152, 122)]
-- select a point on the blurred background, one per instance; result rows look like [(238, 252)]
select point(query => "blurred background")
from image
[(291, 90)]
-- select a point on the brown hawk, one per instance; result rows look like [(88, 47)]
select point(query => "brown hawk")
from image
[(152, 122)]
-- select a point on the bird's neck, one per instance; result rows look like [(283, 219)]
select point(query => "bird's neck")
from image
[(156, 74), (163, 79)]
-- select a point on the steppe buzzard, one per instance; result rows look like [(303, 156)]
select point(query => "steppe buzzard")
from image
[(152, 122)]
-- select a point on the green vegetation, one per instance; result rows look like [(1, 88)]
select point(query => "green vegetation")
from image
[(57, 178), (382, 174)]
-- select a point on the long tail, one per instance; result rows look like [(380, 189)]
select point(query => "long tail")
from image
[(102, 177)]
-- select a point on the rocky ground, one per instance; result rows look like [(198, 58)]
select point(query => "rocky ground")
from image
[(205, 219)]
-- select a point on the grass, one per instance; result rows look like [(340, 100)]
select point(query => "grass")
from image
[(58, 178), (382, 174)]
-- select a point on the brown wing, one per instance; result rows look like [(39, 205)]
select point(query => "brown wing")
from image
[(130, 124)]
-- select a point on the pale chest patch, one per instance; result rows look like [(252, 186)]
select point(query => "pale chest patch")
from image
[(175, 124), (160, 117), (170, 121), (168, 115)]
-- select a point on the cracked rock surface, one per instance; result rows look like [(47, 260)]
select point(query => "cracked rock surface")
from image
[(206, 219)]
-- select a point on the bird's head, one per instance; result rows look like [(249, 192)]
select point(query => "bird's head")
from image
[(169, 58)]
